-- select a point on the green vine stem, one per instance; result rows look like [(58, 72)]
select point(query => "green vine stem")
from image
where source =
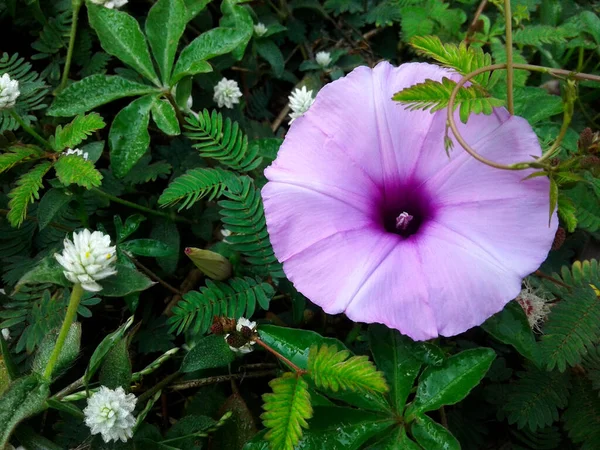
[(76, 295), (509, 58), (29, 130), (112, 198), (76, 6), (521, 165)]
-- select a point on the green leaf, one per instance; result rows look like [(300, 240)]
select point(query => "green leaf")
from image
[(237, 17), (582, 415), (339, 428), (16, 155), (394, 355), (333, 369), (126, 281), (535, 399), (48, 270), (432, 435), (165, 117), (165, 25), (50, 204), (450, 382), (147, 247), (76, 132), (25, 192), (94, 91), (194, 185), (396, 440), (435, 95), (24, 398), (103, 349), (69, 352), (167, 232), (30, 440), (194, 7), (132, 223), (553, 198), (115, 370), (210, 352), (218, 41), (128, 137), (75, 169), (511, 327), (591, 23), (120, 35), (459, 57), (567, 211), (287, 409), (536, 104), (270, 51), (295, 345)]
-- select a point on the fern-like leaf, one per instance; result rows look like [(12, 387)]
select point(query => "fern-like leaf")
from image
[(333, 369), (287, 409), (235, 298), (222, 140), (54, 35), (573, 327), (25, 192), (75, 169), (582, 417), (435, 96), (459, 57), (144, 172), (16, 155), (33, 91), (534, 400), (242, 214), (77, 131), (195, 184), (537, 35)]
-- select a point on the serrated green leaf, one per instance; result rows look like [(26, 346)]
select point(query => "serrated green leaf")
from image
[(16, 155), (76, 132), (75, 169), (287, 409), (120, 35), (128, 137), (94, 91), (333, 369), (165, 25), (165, 117), (25, 192), (450, 382), (208, 353), (567, 211)]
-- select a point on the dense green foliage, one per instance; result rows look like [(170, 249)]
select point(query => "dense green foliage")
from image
[(160, 176)]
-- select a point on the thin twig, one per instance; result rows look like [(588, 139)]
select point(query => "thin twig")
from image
[(152, 275), (540, 274), (69, 389), (509, 58), (280, 118), (473, 26), (219, 379), (280, 356), (450, 109)]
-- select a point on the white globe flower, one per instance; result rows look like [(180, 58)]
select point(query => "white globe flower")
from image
[(6, 334), (242, 323), (77, 152), (323, 59), (110, 4), (88, 258), (300, 101), (227, 93), (9, 91), (109, 413), (260, 29)]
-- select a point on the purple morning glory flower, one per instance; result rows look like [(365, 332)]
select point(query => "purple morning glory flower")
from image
[(370, 217)]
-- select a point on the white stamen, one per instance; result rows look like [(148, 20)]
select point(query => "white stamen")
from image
[(403, 220)]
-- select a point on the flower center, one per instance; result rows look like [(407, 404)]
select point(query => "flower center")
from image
[(406, 209), (403, 221)]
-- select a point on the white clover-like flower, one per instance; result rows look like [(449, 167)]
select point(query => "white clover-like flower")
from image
[(323, 59), (300, 101), (227, 93), (260, 29), (9, 91), (536, 308), (110, 4), (76, 151), (6, 334), (242, 323), (88, 258), (109, 413)]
